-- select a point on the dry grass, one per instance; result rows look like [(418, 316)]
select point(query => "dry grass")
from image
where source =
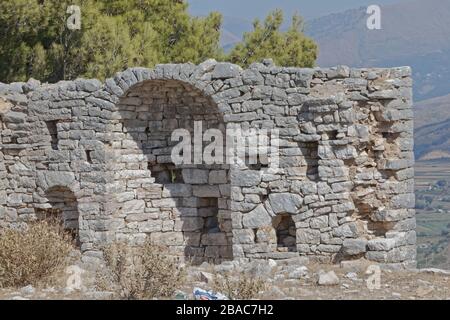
[(30, 256), (142, 272), (242, 287)]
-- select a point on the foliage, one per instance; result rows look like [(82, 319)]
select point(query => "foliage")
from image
[(141, 272), (290, 48), (116, 34), (242, 287), (32, 255), (441, 183), (428, 199)]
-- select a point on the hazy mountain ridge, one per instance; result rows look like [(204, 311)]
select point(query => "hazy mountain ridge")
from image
[(432, 128), (344, 38), (415, 33)]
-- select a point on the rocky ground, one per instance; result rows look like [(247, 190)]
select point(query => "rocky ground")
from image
[(288, 280)]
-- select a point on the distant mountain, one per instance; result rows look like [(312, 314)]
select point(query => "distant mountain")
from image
[(432, 128), (415, 33)]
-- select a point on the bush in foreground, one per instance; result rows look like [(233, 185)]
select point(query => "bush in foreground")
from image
[(31, 255), (141, 272), (242, 287)]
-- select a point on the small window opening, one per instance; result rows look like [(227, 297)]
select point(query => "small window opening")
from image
[(89, 156), (332, 135), (312, 161), (208, 210), (53, 131), (286, 233)]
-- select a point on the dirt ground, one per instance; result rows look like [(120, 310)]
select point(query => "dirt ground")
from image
[(287, 282), (393, 286)]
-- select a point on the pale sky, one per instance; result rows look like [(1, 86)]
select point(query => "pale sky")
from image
[(250, 9)]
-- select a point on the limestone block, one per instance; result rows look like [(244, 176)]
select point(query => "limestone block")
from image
[(195, 176), (51, 179), (285, 202), (319, 222), (177, 190), (245, 178), (214, 239), (403, 201), (150, 226), (245, 236), (217, 177), (308, 236), (225, 70), (354, 246), (258, 217), (348, 230), (381, 244), (206, 191)]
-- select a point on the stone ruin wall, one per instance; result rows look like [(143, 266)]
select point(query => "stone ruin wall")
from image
[(98, 156)]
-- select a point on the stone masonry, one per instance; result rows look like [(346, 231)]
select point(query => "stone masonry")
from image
[(97, 155)]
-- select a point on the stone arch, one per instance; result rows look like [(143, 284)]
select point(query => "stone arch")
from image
[(62, 205), (184, 207), (202, 77)]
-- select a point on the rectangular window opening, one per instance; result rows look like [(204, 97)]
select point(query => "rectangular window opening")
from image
[(208, 209), (312, 161), (89, 156), (53, 131)]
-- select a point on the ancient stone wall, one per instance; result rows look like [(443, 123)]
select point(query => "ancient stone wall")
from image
[(98, 156)]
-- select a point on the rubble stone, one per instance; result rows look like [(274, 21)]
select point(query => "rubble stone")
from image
[(99, 155)]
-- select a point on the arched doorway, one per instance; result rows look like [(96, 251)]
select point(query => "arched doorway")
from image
[(286, 232), (184, 207), (62, 206)]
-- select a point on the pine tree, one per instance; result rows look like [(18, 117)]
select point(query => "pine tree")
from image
[(116, 34), (290, 48)]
